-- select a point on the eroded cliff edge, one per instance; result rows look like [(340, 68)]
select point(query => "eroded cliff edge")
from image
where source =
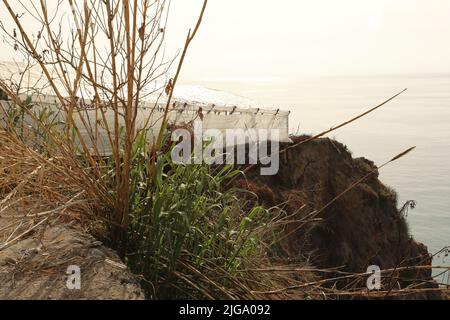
[(362, 228)]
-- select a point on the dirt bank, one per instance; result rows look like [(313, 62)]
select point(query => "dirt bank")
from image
[(363, 228)]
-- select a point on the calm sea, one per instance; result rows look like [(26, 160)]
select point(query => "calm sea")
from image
[(420, 117)]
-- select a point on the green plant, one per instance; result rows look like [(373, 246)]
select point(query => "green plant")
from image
[(187, 237)]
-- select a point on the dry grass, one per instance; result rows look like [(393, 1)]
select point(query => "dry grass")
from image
[(60, 181), (37, 190)]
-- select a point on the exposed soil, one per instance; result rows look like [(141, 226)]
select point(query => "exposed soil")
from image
[(363, 228)]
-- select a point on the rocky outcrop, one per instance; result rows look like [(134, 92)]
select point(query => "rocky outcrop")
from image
[(36, 268), (362, 228)]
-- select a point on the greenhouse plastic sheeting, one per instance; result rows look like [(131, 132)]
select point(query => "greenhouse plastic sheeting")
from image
[(213, 117)]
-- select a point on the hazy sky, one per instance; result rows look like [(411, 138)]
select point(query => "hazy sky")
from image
[(264, 39)]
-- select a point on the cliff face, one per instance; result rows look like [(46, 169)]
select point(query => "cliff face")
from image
[(363, 228)]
